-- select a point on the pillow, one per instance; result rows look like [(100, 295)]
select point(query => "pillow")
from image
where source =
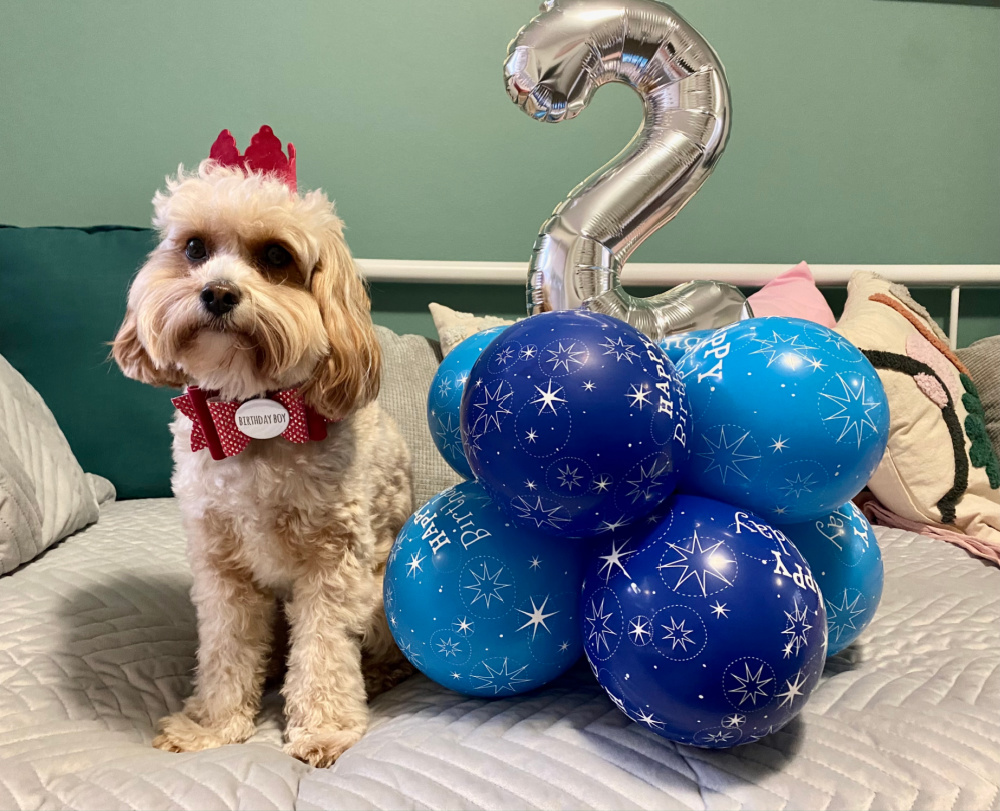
[(454, 327), (983, 362), (44, 493), (793, 294), (939, 468), (408, 366)]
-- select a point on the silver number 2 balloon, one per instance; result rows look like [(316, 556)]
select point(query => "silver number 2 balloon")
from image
[(554, 65)]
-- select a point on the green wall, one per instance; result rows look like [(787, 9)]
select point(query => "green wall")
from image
[(863, 130)]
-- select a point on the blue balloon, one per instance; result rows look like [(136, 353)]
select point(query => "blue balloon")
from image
[(847, 564), (707, 627), (445, 398), (680, 343), (480, 606), (575, 423), (789, 418)]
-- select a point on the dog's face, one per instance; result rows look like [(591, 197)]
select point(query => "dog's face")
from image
[(251, 289)]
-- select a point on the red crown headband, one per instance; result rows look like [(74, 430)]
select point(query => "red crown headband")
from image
[(263, 155)]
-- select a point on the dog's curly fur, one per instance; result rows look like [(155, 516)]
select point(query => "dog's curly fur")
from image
[(310, 524)]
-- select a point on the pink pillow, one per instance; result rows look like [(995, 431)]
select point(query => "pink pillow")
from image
[(793, 294)]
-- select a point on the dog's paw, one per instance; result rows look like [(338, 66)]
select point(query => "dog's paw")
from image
[(321, 747), (181, 733)]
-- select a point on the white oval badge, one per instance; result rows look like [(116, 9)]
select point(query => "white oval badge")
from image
[(262, 418)]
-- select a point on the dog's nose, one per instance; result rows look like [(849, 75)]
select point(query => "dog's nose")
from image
[(220, 297)]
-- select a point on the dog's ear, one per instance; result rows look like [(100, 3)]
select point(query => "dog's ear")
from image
[(135, 362), (349, 376)]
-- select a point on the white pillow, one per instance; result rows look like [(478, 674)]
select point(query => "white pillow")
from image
[(44, 493)]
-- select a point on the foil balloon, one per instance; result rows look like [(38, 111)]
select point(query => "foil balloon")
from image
[(554, 65)]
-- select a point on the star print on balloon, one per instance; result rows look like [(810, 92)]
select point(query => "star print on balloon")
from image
[(710, 566), (847, 563), (445, 397), (575, 423), (706, 627), (478, 605), (789, 418)]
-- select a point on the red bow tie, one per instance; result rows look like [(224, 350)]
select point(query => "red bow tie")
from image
[(215, 425)]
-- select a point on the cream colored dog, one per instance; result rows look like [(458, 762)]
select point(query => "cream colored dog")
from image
[(253, 290)]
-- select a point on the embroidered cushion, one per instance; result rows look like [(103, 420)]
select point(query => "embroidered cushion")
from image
[(983, 360), (939, 468)]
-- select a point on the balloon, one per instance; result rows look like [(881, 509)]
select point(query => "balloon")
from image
[(680, 343), (847, 564), (707, 628), (790, 419), (575, 423), (477, 605), (553, 66), (445, 397)]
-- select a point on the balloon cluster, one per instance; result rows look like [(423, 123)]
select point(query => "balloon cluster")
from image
[(681, 525)]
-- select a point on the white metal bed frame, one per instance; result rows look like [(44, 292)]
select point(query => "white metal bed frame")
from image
[(654, 274)]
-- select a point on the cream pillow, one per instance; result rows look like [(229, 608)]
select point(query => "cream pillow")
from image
[(44, 493), (939, 463), (454, 327)]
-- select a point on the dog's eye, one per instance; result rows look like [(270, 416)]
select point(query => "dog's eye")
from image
[(195, 249), (276, 256)]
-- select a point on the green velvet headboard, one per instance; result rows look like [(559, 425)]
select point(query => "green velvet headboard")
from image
[(62, 297)]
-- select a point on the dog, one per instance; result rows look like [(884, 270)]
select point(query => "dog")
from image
[(252, 290)]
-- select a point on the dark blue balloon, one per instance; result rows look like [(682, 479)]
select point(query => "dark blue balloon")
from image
[(478, 605), (707, 627), (445, 398), (789, 418), (847, 564), (575, 422), (680, 343)]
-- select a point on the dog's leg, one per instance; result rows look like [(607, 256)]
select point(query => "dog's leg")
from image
[(235, 626), (384, 665), (324, 689)]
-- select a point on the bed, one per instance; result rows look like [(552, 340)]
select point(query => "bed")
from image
[(97, 641), (98, 637)]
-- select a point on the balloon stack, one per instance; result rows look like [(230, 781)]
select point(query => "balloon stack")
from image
[(589, 526), (679, 511)]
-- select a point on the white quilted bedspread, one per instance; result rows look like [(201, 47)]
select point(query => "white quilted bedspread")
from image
[(97, 641)]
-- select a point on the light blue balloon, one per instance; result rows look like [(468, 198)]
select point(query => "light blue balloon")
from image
[(478, 605), (790, 420), (846, 562), (445, 397), (680, 343)]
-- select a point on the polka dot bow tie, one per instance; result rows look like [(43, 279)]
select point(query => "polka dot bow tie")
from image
[(226, 427)]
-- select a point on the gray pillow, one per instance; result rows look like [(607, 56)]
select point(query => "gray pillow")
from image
[(983, 361), (44, 493), (408, 366)]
